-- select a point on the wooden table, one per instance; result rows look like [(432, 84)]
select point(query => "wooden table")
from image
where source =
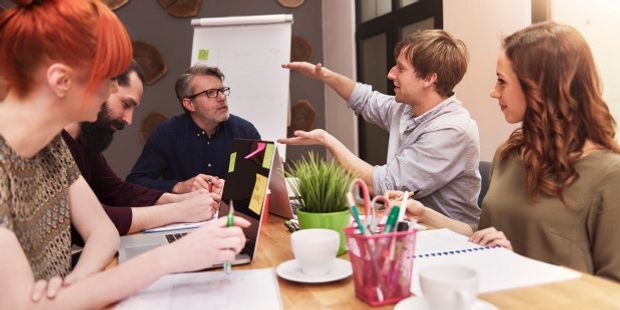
[(274, 247)]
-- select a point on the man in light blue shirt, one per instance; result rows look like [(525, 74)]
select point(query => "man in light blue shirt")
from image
[(434, 144)]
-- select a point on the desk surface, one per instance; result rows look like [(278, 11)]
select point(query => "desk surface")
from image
[(587, 292), (274, 248)]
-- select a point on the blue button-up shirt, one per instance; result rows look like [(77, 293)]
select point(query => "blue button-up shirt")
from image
[(436, 153), (178, 150)]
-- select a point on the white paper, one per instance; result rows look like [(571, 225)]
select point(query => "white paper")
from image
[(498, 268), (249, 50), (241, 289)]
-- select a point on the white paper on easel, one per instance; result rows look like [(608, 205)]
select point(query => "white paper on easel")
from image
[(241, 289), (497, 268), (250, 51)]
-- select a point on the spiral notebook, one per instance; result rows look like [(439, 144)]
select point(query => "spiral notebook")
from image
[(497, 267)]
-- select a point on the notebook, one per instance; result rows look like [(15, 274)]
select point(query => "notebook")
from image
[(497, 267), (249, 172)]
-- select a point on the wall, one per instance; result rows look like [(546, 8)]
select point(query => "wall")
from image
[(339, 56), (598, 22), (493, 20)]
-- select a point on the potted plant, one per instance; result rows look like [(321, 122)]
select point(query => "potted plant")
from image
[(322, 187)]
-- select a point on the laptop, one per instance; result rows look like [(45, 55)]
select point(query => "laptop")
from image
[(249, 173)]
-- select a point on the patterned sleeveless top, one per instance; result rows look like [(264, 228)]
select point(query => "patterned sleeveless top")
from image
[(34, 204)]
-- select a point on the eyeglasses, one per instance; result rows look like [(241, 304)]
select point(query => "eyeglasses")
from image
[(212, 93)]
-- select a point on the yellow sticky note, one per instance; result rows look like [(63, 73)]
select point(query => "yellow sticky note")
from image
[(268, 158), (203, 54), (231, 163), (260, 189)]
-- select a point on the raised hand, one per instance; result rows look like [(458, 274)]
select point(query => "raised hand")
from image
[(313, 71), (314, 137)]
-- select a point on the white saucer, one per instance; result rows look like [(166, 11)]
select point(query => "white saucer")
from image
[(291, 270), (418, 303)]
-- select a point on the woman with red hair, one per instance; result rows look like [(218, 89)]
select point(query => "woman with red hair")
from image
[(554, 187), (58, 59)]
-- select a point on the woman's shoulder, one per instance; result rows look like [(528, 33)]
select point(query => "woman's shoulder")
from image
[(600, 165)]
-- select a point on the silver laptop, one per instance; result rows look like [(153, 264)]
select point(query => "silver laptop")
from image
[(249, 174), (279, 198)]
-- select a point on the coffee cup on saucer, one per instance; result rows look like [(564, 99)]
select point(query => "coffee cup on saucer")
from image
[(315, 249), (449, 287)]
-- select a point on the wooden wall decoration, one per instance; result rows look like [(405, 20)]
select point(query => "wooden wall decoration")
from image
[(181, 8), (291, 4), (303, 115), (151, 61), (301, 50), (149, 123), (115, 4)]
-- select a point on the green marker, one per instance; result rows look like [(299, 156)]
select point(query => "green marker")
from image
[(391, 221), (229, 223)]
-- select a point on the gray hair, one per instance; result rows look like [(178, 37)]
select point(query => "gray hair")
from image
[(182, 86)]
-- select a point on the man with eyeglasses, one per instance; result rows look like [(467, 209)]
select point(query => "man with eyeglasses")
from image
[(191, 151), (131, 207)]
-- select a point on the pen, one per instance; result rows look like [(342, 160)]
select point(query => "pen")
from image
[(356, 214), (229, 223), (403, 207)]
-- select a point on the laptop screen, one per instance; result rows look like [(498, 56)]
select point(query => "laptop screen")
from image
[(246, 184)]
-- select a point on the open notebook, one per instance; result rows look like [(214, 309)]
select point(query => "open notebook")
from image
[(497, 267)]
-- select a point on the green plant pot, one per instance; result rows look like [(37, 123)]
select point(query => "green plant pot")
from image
[(333, 220)]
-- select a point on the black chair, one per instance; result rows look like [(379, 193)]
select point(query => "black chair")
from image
[(485, 169)]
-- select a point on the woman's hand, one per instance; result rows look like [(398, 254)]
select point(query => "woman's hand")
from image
[(213, 243), (490, 237)]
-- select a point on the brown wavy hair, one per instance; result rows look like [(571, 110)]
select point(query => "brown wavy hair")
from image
[(564, 106)]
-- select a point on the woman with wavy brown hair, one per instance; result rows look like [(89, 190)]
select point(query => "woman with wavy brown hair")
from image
[(555, 184)]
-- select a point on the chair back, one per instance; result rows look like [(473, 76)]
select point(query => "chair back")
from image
[(485, 169)]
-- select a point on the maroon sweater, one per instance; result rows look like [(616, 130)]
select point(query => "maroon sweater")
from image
[(116, 195)]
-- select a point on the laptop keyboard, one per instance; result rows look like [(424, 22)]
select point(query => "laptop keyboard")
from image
[(174, 237)]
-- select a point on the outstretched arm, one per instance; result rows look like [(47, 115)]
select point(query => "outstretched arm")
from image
[(200, 206), (343, 156), (338, 82)]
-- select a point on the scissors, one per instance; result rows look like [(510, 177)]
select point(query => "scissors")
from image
[(375, 209)]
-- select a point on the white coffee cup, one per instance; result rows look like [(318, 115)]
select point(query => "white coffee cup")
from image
[(449, 287), (315, 249)]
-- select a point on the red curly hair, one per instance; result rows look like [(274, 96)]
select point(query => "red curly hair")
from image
[(79, 33), (564, 106)]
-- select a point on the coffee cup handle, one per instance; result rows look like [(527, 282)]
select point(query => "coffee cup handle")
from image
[(465, 298)]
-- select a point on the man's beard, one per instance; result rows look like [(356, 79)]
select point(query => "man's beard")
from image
[(98, 136)]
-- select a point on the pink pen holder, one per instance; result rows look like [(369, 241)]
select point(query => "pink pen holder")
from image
[(382, 265)]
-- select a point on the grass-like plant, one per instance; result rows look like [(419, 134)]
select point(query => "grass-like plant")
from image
[(321, 185)]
